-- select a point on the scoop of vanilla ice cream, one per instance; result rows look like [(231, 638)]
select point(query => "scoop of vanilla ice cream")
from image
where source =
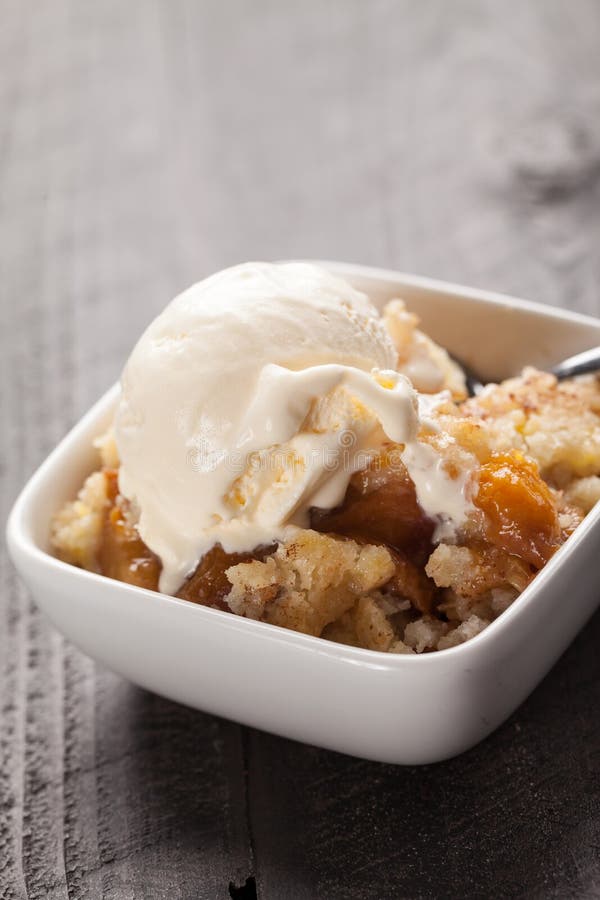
[(254, 396), (233, 402)]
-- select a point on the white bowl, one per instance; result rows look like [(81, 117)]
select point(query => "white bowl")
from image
[(397, 709)]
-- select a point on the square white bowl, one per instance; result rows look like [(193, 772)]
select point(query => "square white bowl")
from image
[(393, 708)]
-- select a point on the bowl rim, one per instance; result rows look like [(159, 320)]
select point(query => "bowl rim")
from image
[(437, 285), (22, 545)]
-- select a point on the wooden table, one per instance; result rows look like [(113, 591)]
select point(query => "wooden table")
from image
[(144, 145)]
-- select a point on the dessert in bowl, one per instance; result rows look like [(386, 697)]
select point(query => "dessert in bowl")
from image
[(282, 453)]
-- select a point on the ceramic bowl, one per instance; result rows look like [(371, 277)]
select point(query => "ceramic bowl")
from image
[(393, 708)]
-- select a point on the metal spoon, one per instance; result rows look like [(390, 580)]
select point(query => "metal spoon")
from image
[(582, 363)]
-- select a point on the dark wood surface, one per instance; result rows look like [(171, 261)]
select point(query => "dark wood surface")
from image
[(144, 145)]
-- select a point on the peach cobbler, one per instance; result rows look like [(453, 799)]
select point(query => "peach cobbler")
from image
[(282, 452)]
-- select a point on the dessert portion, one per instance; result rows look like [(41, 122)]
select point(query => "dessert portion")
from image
[(283, 453)]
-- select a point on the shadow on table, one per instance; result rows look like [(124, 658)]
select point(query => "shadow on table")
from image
[(171, 796), (214, 803), (516, 816)]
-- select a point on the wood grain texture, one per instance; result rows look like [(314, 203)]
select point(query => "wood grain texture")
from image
[(143, 145)]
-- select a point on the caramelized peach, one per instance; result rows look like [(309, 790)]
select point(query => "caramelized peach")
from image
[(411, 583), (208, 585), (520, 511), (123, 554), (381, 507)]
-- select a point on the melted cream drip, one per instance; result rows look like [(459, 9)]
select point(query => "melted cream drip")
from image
[(292, 461)]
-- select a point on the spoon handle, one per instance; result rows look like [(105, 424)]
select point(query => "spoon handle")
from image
[(588, 361)]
